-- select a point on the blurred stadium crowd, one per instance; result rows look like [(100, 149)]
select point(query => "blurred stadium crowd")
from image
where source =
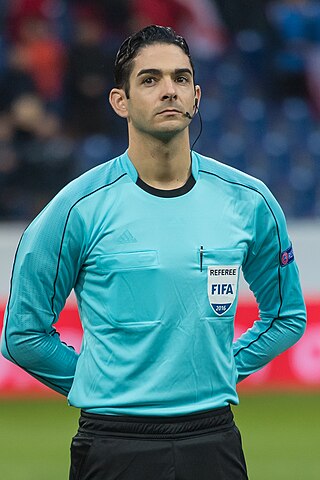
[(258, 63)]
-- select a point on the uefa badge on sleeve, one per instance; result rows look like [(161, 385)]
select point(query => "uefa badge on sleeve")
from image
[(222, 287), (287, 256)]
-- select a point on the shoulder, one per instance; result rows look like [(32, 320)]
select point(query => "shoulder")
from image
[(86, 187), (241, 185), (82, 190), (220, 172), (98, 178)]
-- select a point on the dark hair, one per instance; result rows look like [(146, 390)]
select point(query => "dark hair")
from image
[(133, 44)]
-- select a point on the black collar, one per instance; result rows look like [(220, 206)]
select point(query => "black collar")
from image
[(176, 192)]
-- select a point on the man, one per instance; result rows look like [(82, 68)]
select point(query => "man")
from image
[(152, 243)]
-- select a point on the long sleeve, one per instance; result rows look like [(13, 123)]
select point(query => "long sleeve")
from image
[(45, 270), (273, 277)]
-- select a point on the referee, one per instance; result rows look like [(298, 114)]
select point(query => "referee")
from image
[(152, 242)]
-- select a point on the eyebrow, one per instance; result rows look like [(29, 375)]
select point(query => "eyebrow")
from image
[(156, 71)]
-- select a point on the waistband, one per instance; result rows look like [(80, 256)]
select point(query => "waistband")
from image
[(193, 424)]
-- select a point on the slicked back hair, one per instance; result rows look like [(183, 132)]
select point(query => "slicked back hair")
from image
[(152, 34)]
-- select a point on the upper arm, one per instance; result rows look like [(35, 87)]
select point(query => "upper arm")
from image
[(47, 262), (275, 283)]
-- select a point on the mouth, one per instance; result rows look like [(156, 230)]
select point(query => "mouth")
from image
[(169, 111)]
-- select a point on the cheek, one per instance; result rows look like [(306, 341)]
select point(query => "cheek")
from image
[(141, 110)]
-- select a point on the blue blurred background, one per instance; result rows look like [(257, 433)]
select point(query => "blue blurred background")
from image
[(258, 63)]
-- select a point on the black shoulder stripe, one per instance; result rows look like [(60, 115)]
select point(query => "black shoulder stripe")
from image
[(9, 299), (54, 285), (63, 235), (279, 243)]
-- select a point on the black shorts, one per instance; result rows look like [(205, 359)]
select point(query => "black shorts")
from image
[(201, 446)]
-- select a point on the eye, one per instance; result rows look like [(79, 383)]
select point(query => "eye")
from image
[(149, 81), (182, 79)]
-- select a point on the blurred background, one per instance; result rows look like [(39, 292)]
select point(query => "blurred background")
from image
[(258, 63)]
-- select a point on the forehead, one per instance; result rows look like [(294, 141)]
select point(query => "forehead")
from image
[(161, 56)]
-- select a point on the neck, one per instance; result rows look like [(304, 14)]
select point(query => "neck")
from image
[(161, 164)]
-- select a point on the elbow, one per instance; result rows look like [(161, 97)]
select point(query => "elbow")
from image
[(302, 328), (298, 328), (6, 349), (15, 348)]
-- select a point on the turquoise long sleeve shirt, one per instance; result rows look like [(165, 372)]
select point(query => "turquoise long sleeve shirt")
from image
[(156, 279)]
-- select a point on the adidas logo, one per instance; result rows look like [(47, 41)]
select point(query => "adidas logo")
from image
[(127, 237)]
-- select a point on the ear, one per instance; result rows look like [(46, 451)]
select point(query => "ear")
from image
[(118, 102), (197, 94)]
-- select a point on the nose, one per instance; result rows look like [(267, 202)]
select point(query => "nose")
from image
[(169, 91)]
